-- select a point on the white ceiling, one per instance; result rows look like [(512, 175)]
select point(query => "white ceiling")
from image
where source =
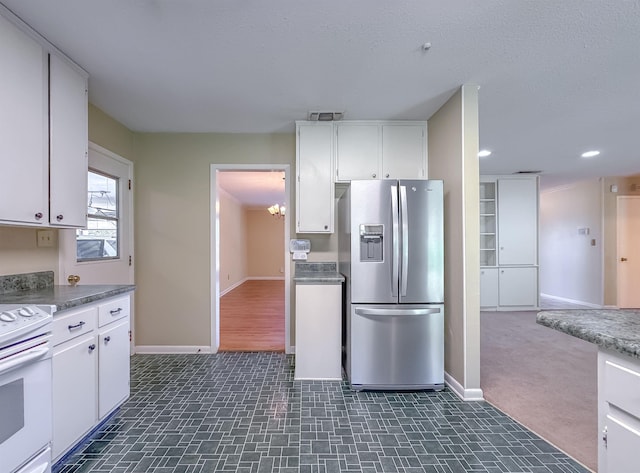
[(254, 188), (557, 77)]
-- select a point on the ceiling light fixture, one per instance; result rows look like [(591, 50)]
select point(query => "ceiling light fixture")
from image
[(483, 153), (590, 154), (277, 211)]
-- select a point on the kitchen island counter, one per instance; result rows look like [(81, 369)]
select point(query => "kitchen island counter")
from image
[(617, 330)]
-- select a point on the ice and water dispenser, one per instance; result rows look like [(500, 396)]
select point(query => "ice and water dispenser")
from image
[(371, 242)]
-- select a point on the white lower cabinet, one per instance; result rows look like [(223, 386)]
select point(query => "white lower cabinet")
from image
[(90, 368), (488, 287), (618, 413), (518, 287), (74, 391)]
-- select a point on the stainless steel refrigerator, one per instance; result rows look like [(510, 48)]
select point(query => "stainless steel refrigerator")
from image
[(391, 253)]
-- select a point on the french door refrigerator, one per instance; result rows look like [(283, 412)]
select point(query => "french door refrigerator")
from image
[(391, 254)]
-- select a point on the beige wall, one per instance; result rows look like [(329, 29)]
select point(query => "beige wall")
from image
[(110, 134), (19, 252), (172, 238), (609, 202), (453, 157), (265, 244), (233, 242)]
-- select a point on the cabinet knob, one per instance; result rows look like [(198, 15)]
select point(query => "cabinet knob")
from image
[(38, 215), (59, 217), (373, 175), (107, 339), (386, 175), (92, 347), (326, 227)]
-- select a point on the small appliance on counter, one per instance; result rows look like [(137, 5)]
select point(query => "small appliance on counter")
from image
[(391, 254)]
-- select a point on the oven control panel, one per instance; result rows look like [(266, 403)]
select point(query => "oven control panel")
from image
[(18, 320)]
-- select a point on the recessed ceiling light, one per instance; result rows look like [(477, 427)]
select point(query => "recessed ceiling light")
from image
[(590, 154), (484, 153)]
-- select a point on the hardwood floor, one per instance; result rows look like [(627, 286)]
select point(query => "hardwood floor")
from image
[(252, 317)]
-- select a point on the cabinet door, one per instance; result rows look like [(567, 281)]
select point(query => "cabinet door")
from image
[(113, 381), (69, 145), (24, 180), (314, 189), (357, 151), (404, 152), (488, 287), (623, 442), (74, 391), (518, 287), (517, 221)]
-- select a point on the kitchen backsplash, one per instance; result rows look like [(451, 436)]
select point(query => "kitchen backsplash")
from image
[(25, 282)]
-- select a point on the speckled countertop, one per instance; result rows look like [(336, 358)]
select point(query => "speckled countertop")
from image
[(317, 273), (617, 330), (65, 297)]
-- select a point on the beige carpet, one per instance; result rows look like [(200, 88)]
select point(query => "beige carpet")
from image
[(544, 379)]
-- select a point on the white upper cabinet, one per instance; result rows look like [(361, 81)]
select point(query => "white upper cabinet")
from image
[(518, 221), (381, 150), (23, 121), (314, 186), (44, 123), (404, 151), (68, 120), (358, 153)]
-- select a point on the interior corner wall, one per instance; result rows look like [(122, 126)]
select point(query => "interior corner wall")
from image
[(264, 244), (110, 134), (233, 238), (628, 185), (570, 266), (453, 151)]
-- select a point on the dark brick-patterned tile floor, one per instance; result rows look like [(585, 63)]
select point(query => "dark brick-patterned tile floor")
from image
[(242, 412)]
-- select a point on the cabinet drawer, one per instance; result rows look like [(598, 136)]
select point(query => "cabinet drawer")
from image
[(73, 324), (114, 309), (622, 388)]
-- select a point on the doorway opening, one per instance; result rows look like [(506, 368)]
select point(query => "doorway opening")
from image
[(249, 269)]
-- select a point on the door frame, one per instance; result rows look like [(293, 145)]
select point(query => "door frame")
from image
[(214, 265), (634, 198)]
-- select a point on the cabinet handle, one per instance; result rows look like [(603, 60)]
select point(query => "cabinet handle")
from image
[(92, 347), (107, 339), (59, 217), (38, 215), (78, 325), (386, 175), (116, 311), (373, 175)]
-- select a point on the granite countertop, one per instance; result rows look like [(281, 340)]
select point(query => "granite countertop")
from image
[(317, 273), (617, 330), (65, 297)]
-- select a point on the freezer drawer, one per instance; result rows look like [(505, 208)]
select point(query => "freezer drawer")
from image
[(396, 347)]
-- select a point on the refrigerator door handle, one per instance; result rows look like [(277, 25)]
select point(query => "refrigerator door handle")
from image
[(405, 240), (373, 311), (395, 242)]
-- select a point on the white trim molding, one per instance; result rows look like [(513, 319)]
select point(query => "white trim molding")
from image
[(462, 393), (171, 349), (250, 278), (571, 301)]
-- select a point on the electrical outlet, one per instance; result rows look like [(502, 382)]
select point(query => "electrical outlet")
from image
[(45, 238)]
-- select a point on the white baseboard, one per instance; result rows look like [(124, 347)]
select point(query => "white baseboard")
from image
[(461, 392), (171, 349), (571, 301), (290, 350), (233, 286), (265, 278)]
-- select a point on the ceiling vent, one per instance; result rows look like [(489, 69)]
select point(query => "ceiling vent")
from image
[(325, 116)]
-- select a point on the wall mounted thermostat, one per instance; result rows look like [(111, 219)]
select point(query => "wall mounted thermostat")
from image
[(299, 249)]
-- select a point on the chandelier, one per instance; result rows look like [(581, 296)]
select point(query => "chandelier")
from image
[(276, 210)]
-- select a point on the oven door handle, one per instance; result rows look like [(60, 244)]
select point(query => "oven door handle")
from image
[(23, 358)]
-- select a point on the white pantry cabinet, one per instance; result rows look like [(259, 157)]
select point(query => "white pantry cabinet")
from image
[(90, 368), (509, 242), (23, 121), (44, 119), (618, 412), (314, 169), (380, 150)]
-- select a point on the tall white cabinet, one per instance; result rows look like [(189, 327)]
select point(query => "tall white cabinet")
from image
[(509, 242)]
